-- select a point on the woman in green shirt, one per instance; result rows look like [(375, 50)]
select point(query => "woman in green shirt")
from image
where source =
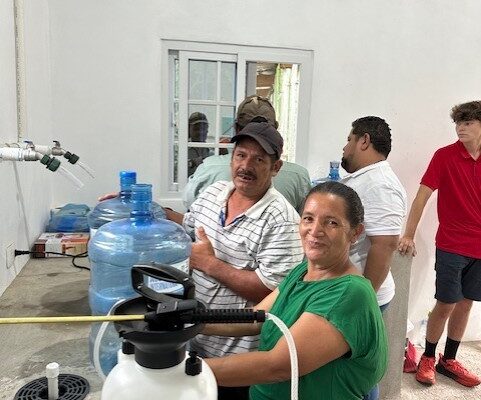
[(330, 309)]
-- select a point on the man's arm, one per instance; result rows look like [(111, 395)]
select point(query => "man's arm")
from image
[(245, 283), (174, 215), (108, 196), (406, 243), (379, 258)]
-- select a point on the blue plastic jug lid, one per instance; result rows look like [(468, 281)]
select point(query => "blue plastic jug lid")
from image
[(127, 178)]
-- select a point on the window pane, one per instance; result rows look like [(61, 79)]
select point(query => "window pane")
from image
[(176, 78), (228, 81), (175, 122), (199, 129), (279, 83), (176, 163), (285, 98), (227, 116), (202, 80), (195, 156)]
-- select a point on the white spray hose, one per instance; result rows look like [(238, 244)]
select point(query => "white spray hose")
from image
[(86, 168), (292, 353), (71, 177), (97, 342), (96, 354)]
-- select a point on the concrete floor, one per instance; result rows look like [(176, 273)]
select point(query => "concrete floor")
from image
[(53, 287), (45, 287)]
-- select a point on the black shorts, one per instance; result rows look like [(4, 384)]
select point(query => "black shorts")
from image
[(457, 277)]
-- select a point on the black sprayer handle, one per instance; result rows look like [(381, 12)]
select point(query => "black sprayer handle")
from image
[(224, 316), (161, 272)]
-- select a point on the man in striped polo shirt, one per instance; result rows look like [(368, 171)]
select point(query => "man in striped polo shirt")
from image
[(247, 237)]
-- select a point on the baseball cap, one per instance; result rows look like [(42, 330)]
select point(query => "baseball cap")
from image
[(197, 118), (264, 134), (253, 107)]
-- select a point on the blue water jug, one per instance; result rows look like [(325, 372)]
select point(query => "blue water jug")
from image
[(115, 248), (333, 174), (69, 218), (119, 207)]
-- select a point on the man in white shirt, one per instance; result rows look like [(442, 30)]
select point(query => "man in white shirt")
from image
[(384, 200)]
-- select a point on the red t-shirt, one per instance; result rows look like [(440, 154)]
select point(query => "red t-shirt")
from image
[(457, 177)]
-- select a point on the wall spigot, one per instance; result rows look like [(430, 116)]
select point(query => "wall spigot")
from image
[(28, 151), (57, 150), (28, 154)]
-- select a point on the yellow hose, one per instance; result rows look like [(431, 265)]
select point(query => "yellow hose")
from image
[(80, 318)]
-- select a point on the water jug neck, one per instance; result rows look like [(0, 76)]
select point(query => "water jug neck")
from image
[(141, 200), (125, 194)]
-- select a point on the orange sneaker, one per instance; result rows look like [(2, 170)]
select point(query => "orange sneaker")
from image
[(426, 372), (454, 370)]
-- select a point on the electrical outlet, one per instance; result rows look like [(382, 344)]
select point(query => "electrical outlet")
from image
[(10, 255)]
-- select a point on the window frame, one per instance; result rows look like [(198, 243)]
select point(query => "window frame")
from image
[(184, 102), (243, 54)]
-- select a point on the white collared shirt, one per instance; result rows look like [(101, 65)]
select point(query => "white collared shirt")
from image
[(264, 239), (385, 203)]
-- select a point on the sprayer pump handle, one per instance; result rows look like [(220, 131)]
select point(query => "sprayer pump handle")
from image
[(144, 275)]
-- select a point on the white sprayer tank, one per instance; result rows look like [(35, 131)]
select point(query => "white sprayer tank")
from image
[(130, 381)]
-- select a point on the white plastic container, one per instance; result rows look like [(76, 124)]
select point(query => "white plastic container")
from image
[(130, 381)]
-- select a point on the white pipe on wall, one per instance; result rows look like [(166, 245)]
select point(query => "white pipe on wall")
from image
[(20, 69)]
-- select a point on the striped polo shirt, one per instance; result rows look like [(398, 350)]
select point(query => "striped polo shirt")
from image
[(264, 239)]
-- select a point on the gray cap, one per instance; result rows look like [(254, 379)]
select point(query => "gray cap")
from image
[(253, 107)]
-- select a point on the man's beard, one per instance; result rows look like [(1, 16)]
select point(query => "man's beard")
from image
[(345, 164)]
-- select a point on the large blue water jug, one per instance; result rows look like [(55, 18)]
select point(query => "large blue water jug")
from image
[(119, 245), (119, 207), (333, 174)]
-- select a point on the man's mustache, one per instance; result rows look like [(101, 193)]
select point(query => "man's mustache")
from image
[(246, 174)]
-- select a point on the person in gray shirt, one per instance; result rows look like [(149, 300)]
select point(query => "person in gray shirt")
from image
[(292, 181)]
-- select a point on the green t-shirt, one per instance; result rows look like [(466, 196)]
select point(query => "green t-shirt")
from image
[(349, 303)]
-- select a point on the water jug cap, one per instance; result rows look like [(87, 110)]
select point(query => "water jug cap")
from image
[(127, 179), (130, 174)]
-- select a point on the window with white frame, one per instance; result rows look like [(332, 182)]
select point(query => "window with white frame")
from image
[(206, 83)]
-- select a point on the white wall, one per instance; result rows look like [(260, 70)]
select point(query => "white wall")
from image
[(406, 61), (25, 194)]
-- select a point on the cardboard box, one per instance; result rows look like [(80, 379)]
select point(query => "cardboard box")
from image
[(64, 243)]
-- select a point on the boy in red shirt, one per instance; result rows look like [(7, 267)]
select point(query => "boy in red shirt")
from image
[(455, 171)]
